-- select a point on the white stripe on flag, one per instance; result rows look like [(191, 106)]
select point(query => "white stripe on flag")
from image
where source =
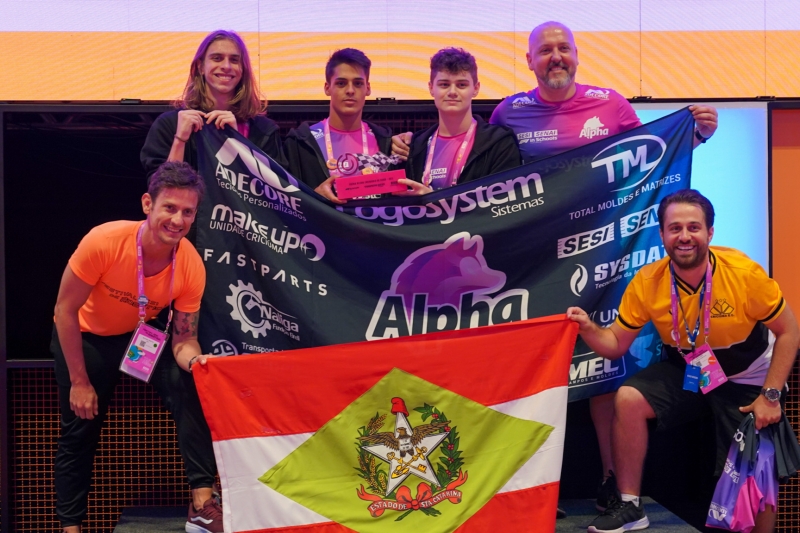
[(242, 461), (254, 505), (548, 407)]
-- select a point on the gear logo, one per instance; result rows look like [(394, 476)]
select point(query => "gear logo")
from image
[(256, 315)]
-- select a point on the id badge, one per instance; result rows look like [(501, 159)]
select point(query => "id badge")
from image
[(691, 378), (143, 351), (711, 373)]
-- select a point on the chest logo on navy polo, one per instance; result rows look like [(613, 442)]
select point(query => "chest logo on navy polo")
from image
[(721, 308)]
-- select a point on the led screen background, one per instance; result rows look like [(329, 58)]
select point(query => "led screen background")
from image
[(66, 50), (731, 170)]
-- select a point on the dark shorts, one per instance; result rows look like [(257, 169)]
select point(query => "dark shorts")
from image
[(662, 387)]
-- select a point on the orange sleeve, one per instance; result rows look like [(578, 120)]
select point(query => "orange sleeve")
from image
[(90, 259)]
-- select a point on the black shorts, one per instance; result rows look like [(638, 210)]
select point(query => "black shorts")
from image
[(662, 387)]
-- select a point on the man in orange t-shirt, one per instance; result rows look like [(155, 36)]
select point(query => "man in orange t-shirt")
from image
[(97, 311)]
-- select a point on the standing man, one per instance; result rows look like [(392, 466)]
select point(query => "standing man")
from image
[(561, 114), (313, 150), (122, 275), (460, 147), (754, 341)]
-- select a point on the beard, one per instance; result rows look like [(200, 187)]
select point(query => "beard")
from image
[(561, 81), (687, 263)]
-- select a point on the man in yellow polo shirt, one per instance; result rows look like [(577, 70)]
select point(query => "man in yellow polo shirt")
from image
[(735, 330)]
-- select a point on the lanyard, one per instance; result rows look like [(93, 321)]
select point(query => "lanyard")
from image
[(704, 305), (426, 174), (140, 278), (332, 161)]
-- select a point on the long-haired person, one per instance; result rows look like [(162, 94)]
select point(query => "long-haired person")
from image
[(221, 90)]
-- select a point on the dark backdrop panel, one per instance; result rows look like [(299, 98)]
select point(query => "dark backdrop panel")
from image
[(59, 183)]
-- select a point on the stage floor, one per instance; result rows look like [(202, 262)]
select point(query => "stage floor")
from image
[(579, 514)]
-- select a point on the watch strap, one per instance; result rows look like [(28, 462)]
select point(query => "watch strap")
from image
[(700, 137)]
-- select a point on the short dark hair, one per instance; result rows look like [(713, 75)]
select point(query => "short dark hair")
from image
[(176, 175), (686, 196), (454, 60), (350, 56)]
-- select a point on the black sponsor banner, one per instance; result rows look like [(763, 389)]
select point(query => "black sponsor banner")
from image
[(287, 270)]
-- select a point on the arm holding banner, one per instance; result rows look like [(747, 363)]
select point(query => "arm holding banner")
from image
[(185, 347), (706, 118), (611, 342), (189, 121)]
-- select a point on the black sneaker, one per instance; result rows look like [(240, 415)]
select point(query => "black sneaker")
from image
[(607, 492), (620, 517)]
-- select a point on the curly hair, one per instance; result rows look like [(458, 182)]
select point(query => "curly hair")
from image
[(453, 61)]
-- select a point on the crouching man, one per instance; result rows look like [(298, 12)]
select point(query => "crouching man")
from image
[(716, 310)]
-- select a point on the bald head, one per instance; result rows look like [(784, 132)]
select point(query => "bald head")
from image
[(535, 35), (553, 57)]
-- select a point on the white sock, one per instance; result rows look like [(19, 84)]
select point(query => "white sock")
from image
[(630, 498)]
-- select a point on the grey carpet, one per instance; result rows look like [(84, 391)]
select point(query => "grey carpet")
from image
[(152, 520), (580, 514)]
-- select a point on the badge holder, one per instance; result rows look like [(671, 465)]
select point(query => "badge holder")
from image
[(709, 371), (703, 371), (143, 351), (147, 342)]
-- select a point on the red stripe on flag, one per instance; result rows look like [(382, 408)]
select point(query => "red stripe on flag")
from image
[(327, 527), (252, 395), (531, 509)]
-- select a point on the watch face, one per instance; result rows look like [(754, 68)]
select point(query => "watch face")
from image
[(772, 395)]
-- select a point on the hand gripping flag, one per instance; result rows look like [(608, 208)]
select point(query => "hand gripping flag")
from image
[(452, 431)]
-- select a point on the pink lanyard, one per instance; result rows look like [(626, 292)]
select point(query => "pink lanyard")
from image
[(704, 305), (426, 174), (332, 162), (143, 300)]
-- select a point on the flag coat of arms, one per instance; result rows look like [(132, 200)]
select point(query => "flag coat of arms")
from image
[(452, 431)]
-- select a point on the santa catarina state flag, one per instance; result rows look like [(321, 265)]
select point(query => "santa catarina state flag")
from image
[(451, 431)]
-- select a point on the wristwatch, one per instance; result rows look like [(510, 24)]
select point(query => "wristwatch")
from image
[(772, 395), (699, 136)]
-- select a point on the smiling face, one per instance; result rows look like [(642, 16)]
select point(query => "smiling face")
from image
[(686, 236), (222, 70), (170, 216), (348, 88), (453, 93), (553, 56)]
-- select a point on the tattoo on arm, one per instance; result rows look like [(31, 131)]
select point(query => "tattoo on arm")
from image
[(186, 324)]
